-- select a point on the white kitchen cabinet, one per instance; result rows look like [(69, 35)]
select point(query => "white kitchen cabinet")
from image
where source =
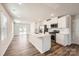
[(64, 36), (52, 21), (63, 39), (64, 22), (42, 42)]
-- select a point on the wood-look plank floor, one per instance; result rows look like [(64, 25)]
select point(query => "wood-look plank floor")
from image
[(21, 47)]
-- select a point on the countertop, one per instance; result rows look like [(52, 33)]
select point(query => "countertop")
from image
[(41, 35)]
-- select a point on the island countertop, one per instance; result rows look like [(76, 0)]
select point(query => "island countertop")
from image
[(41, 35)]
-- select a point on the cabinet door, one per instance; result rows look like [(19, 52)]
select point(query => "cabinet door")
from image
[(62, 22), (63, 39), (60, 39)]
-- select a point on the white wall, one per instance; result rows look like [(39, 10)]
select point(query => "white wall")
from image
[(10, 20), (75, 29), (5, 43)]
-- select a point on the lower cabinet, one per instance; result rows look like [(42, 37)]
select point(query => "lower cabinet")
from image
[(63, 39)]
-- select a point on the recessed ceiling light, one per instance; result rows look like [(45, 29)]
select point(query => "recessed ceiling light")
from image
[(20, 3), (13, 11)]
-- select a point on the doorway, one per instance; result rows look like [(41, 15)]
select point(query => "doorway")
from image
[(21, 30)]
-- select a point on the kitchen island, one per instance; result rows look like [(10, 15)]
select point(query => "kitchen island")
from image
[(41, 41)]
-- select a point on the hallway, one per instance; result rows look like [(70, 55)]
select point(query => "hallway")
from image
[(20, 46)]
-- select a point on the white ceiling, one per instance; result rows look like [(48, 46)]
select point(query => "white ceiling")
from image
[(40, 11)]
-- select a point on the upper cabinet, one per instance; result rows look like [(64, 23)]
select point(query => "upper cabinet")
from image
[(64, 21), (51, 21)]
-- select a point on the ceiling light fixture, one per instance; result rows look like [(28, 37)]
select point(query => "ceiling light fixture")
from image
[(20, 3)]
